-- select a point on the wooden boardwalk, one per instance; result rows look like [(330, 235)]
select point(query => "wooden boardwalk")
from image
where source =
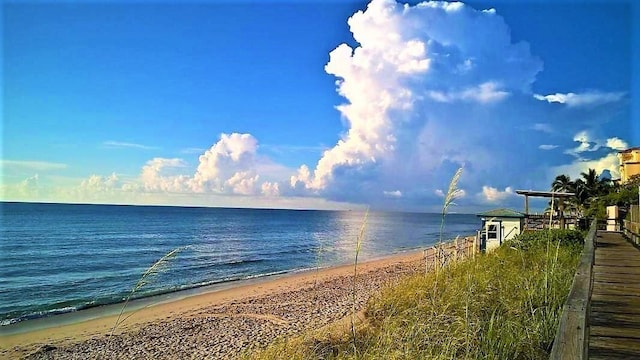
[(614, 318)]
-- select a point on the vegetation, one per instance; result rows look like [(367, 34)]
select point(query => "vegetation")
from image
[(149, 274), (504, 305), (594, 193)]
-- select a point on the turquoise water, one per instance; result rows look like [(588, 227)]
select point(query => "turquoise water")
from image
[(57, 258)]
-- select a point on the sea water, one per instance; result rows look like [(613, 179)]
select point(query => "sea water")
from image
[(57, 258)]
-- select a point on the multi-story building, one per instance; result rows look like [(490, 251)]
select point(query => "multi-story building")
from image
[(629, 163)]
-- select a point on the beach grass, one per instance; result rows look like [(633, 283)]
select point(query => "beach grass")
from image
[(149, 274), (503, 305)]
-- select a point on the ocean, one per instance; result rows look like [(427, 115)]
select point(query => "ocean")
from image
[(59, 258)]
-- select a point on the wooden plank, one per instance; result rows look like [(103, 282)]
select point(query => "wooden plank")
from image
[(614, 320), (617, 309), (604, 354), (619, 345), (615, 278), (616, 290), (629, 283), (606, 300), (617, 270), (597, 330)]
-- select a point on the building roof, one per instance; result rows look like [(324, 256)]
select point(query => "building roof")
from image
[(502, 213), (547, 194), (629, 149)]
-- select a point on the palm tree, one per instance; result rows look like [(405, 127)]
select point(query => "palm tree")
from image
[(562, 183), (591, 182)]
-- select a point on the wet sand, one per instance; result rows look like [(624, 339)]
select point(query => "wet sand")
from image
[(219, 324)]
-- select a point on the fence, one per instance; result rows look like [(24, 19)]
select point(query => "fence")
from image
[(441, 255), (631, 225)]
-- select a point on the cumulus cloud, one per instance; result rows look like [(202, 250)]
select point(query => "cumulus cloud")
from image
[(616, 144), (493, 195), (243, 182), (232, 157), (158, 175), (547, 147), (609, 161), (230, 166), (585, 143), (27, 189), (584, 99), (97, 183), (588, 143), (270, 189), (410, 62)]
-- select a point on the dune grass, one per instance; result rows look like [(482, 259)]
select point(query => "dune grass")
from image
[(503, 305), (149, 274)]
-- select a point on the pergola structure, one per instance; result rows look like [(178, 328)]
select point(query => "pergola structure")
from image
[(544, 194)]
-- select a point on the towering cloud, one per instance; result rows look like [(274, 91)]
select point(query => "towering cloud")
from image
[(229, 163), (413, 64)]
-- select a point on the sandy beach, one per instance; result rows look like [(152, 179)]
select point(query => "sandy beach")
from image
[(219, 324)]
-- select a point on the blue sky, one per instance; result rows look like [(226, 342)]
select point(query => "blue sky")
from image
[(312, 104)]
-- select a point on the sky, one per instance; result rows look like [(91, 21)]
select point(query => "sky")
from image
[(313, 104)]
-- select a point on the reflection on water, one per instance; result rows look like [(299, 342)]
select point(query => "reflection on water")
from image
[(74, 256)]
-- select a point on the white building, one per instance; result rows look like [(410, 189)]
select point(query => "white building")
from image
[(498, 226)]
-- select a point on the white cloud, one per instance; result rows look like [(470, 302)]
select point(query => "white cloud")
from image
[(586, 143), (33, 165), (232, 154), (493, 195), (616, 144), (584, 99), (243, 182), (29, 187), (26, 190), (547, 147), (488, 92), (270, 189), (230, 166), (158, 174), (122, 144), (410, 62), (439, 193), (393, 194), (96, 183), (607, 162)]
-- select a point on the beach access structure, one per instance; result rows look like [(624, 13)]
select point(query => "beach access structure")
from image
[(537, 222), (440, 255)]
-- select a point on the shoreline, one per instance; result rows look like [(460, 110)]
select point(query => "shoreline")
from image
[(81, 329), (108, 309)]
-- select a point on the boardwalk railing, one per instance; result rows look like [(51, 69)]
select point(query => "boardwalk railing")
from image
[(631, 227), (572, 335)]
